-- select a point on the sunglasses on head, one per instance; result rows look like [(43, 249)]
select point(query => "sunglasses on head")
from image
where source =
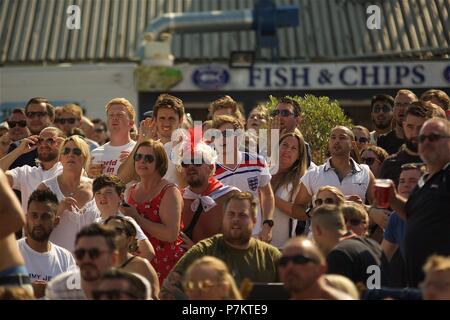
[(64, 120), (385, 109), (432, 137), (369, 161), (319, 201), (283, 113), (148, 158), (21, 123), (39, 114), (194, 162), (112, 294), (75, 151), (93, 253), (361, 139), (297, 259), (49, 141)]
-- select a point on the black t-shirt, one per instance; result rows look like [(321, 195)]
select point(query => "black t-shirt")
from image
[(392, 166), (352, 257), (390, 142), (428, 223), (28, 158)]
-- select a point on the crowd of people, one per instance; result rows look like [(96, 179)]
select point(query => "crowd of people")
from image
[(170, 209)]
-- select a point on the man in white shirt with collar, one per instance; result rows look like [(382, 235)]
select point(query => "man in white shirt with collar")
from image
[(340, 170), (43, 259), (27, 178)]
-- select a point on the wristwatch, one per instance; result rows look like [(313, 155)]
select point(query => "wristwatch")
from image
[(268, 222)]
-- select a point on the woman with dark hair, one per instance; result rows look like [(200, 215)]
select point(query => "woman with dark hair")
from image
[(292, 165), (156, 205), (126, 245)]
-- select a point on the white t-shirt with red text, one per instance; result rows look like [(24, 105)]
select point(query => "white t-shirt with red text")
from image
[(110, 156)]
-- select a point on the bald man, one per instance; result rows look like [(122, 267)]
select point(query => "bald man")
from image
[(340, 171), (426, 210), (302, 268), (346, 253)]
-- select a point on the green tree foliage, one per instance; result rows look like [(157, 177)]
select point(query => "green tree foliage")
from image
[(319, 116)]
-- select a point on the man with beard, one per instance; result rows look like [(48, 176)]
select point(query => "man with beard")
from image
[(381, 115), (204, 195), (302, 268), (392, 141), (416, 115), (245, 256), (43, 259), (426, 210), (340, 171), (95, 253), (26, 178)]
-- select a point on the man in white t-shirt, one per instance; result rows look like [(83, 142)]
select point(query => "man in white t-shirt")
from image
[(108, 193), (43, 259), (108, 157), (168, 114), (26, 178)]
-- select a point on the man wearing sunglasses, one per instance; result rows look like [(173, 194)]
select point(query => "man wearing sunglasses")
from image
[(392, 141), (204, 195), (68, 118), (416, 115), (302, 268), (95, 253), (286, 117), (26, 178), (382, 113), (44, 260), (427, 209), (346, 253), (40, 114)]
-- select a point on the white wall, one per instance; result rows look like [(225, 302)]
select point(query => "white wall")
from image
[(91, 85)]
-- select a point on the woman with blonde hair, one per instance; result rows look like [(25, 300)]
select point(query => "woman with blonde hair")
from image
[(329, 195), (74, 192), (208, 278), (356, 218), (292, 165)]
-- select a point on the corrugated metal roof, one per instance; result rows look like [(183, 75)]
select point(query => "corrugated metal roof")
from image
[(34, 31)]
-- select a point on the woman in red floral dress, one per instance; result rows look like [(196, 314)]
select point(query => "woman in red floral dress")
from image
[(156, 206)]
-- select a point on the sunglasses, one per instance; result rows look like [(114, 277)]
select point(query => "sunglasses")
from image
[(148, 158), (39, 114), (283, 113), (385, 109), (112, 294), (49, 141), (369, 161), (361, 139), (21, 123), (93, 253), (432, 137), (195, 163), (297, 259), (319, 201), (203, 285), (75, 151), (99, 130), (64, 120)]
